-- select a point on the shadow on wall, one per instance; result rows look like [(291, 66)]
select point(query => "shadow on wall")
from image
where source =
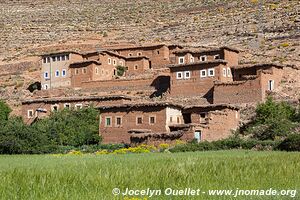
[(209, 96), (34, 86), (161, 85)]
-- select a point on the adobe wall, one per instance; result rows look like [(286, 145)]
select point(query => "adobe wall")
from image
[(137, 66), (196, 85), (231, 57), (61, 104), (238, 92), (120, 84), (119, 134)]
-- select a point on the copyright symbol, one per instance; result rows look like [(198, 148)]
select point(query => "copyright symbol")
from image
[(116, 191)]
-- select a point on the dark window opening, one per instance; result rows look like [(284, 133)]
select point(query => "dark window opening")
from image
[(139, 120), (187, 118), (35, 86)]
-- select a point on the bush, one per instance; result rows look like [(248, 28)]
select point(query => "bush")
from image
[(4, 111), (291, 143)]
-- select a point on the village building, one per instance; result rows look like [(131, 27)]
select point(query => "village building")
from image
[(251, 83), (55, 69), (34, 109), (197, 78), (159, 55)]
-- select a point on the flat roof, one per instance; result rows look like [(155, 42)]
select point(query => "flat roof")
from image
[(66, 99), (72, 65), (231, 106), (257, 65), (219, 61), (205, 49), (141, 104), (138, 47)]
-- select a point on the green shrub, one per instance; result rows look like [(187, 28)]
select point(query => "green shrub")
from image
[(291, 143)]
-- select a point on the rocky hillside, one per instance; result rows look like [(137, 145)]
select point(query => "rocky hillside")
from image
[(264, 30)]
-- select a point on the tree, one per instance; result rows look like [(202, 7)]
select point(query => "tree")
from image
[(4, 111)]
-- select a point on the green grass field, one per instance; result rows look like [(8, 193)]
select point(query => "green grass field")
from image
[(93, 177)]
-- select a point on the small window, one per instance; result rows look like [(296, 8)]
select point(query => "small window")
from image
[(77, 71), (271, 85), (139, 120), (63, 72), (118, 121), (217, 57), (157, 52), (96, 70), (179, 75), (211, 72), (45, 60), (203, 58), (178, 120), (228, 72), (109, 61), (202, 118), (107, 121), (187, 75), (139, 53), (63, 58), (114, 62), (181, 60), (46, 86), (224, 72), (54, 108), (171, 119), (78, 106), (152, 120), (67, 57), (203, 73), (58, 58), (67, 106), (30, 113), (121, 63), (130, 54), (48, 59), (192, 59), (46, 75), (135, 67), (53, 58), (57, 73), (84, 70)]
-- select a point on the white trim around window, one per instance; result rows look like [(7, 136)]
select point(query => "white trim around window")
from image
[(187, 75), (109, 61), (203, 73), (67, 105), (224, 72), (203, 58), (78, 106), (64, 73), (192, 59), (181, 60), (211, 72), (179, 75), (217, 56), (46, 86), (30, 114), (57, 73), (46, 75), (108, 123), (228, 72)]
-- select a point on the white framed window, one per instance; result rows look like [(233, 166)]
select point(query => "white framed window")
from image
[(216, 57), (118, 121), (63, 72), (114, 62), (78, 106), (44, 60), (96, 70), (46, 75), (108, 121), (203, 73), (54, 107), (109, 61), (57, 73), (30, 113), (211, 72), (67, 57), (152, 119), (84, 70), (130, 54), (181, 60), (271, 85), (53, 58), (58, 58), (139, 120), (63, 58), (228, 72), (46, 87), (135, 67), (139, 53), (187, 75), (192, 59), (203, 58), (224, 72), (121, 63), (67, 106), (179, 75), (48, 59)]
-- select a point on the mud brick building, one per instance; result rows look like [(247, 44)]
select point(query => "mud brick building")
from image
[(33, 109), (197, 78), (251, 83), (159, 55), (55, 69)]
